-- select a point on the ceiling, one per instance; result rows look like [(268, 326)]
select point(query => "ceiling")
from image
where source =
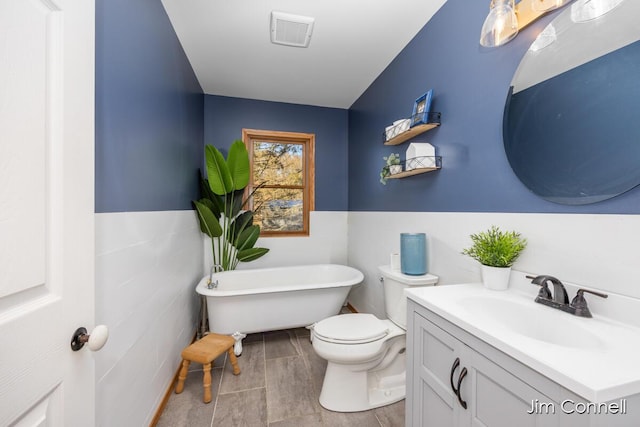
[(229, 47)]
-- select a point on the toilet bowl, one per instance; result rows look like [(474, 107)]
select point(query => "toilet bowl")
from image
[(365, 355)]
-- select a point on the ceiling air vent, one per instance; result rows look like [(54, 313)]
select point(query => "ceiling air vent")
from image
[(291, 30)]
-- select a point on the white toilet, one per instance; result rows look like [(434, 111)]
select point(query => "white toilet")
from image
[(365, 355)]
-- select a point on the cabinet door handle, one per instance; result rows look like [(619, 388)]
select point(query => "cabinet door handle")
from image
[(463, 374), (456, 363)]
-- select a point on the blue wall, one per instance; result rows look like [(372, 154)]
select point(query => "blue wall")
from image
[(149, 111), (470, 88), (225, 118)]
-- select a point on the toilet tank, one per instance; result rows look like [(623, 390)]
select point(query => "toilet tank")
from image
[(394, 283)]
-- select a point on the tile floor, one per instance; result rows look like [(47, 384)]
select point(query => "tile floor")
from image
[(279, 387)]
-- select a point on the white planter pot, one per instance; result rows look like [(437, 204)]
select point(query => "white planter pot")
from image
[(495, 278), (394, 169)]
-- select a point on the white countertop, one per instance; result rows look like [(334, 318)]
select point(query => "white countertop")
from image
[(597, 358)]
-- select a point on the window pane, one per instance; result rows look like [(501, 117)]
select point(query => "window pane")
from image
[(276, 163), (278, 209)]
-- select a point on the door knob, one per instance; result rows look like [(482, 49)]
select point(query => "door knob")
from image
[(96, 340)]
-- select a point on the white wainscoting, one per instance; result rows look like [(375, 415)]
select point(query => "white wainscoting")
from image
[(147, 266), (326, 244), (596, 251), (148, 263)]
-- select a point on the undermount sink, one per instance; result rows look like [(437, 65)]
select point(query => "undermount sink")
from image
[(532, 321)]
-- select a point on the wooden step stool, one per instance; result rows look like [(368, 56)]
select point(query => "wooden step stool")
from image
[(205, 351)]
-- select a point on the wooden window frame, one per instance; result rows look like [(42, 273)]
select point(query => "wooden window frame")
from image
[(308, 141)]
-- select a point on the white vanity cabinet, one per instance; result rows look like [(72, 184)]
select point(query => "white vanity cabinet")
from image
[(497, 390)]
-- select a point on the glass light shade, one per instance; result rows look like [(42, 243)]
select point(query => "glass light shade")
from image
[(501, 25), (586, 10)]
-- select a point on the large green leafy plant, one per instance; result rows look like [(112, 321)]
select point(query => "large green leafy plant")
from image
[(220, 210), (496, 248)]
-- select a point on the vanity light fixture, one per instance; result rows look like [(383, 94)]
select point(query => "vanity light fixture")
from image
[(507, 17)]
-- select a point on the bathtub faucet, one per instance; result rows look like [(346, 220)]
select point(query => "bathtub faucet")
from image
[(211, 284)]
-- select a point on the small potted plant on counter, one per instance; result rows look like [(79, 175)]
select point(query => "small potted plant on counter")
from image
[(497, 251), (391, 167)]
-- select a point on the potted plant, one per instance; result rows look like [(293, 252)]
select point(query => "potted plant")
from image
[(391, 167), (222, 215), (221, 212), (496, 250)]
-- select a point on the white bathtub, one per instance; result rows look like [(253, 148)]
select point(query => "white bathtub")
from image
[(268, 299)]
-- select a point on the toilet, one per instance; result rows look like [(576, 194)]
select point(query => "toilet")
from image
[(365, 356)]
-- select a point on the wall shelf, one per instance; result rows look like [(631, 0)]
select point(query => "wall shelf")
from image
[(433, 122), (420, 165)]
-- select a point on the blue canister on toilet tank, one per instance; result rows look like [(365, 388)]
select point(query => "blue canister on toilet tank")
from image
[(413, 253)]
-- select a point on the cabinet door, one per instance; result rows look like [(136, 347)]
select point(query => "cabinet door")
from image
[(434, 402), (498, 399)]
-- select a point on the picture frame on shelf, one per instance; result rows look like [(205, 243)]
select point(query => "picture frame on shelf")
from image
[(421, 109)]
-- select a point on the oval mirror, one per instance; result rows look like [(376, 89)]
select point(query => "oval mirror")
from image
[(572, 118)]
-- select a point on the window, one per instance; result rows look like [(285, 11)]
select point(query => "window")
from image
[(282, 170)]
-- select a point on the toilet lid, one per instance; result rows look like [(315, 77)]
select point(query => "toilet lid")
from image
[(354, 328)]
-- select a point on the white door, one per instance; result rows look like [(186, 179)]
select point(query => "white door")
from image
[(46, 211)]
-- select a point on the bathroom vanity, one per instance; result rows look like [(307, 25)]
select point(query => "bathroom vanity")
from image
[(477, 357)]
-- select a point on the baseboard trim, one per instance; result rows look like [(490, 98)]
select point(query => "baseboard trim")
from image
[(167, 394), (351, 308)]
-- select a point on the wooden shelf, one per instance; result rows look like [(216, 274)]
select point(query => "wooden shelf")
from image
[(414, 131), (432, 119), (423, 164), (412, 172)]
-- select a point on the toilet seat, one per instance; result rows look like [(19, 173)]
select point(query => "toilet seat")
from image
[(356, 328)]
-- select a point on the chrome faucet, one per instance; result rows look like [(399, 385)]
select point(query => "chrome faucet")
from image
[(560, 300), (211, 284)]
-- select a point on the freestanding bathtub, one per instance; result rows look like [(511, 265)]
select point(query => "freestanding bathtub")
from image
[(268, 299)]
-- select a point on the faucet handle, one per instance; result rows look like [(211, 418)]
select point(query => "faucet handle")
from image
[(580, 304), (600, 294)]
